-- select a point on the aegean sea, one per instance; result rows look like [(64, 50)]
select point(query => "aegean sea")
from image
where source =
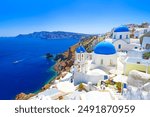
[(23, 65)]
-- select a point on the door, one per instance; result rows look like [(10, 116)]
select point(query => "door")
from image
[(120, 36), (101, 61), (119, 46)]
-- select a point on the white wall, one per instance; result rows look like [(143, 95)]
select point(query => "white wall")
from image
[(79, 78), (124, 34), (94, 79), (85, 78), (146, 40), (137, 34), (124, 45), (107, 59), (81, 56), (134, 53), (140, 31)]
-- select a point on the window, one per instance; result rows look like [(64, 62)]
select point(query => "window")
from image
[(127, 37), (145, 31), (147, 46), (119, 46), (135, 47), (90, 57), (105, 77), (101, 61), (114, 36), (138, 62), (81, 56), (120, 36), (110, 62)]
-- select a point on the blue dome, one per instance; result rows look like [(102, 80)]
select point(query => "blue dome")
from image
[(105, 48), (121, 29), (80, 49)]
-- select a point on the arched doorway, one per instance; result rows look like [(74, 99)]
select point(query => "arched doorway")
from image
[(119, 46)]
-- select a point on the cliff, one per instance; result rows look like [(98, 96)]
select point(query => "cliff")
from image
[(23, 96), (65, 64), (66, 59)]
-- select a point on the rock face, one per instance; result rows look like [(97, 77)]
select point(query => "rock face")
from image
[(66, 60), (137, 78), (59, 56), (45, 87), (48, 55), (23, 96)]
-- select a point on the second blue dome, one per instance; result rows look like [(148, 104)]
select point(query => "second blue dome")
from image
[(121, 29), (105, 48)]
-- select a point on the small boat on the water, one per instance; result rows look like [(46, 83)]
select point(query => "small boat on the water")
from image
[(15, 62)]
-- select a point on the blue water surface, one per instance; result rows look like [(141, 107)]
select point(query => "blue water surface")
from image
[(23, 67)]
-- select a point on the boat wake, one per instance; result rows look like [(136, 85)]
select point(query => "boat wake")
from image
[(18, 61)]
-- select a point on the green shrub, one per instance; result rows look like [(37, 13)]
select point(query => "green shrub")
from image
[(81, 87), (146, 55)]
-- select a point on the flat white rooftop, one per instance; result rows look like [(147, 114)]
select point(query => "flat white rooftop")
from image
[(96, 95), (136, 60), (96, 72)]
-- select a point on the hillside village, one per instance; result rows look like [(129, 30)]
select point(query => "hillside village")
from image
[(112, 66)]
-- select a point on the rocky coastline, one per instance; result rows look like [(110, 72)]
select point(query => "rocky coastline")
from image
[(63, 64)]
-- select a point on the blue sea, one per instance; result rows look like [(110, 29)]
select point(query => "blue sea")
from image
[(23, 67)]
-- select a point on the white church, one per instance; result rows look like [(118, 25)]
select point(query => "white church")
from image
[(93, 67), (121, 39)]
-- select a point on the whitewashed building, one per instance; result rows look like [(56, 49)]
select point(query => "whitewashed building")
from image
[(140, 31), (91, 67), (121, 39), (146, 43), (135, 60)]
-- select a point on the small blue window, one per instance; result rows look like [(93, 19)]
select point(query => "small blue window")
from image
[(105, 77), (119, 46), (135, 47), (124, 85), (120, 36)]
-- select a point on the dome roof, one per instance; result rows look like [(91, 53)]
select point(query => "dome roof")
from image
[(105, 48), (80, 49), (121, 29)]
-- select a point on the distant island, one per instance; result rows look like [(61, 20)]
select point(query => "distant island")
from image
[(54, 35)]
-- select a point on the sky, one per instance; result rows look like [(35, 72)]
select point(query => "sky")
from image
[(83, 16)]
